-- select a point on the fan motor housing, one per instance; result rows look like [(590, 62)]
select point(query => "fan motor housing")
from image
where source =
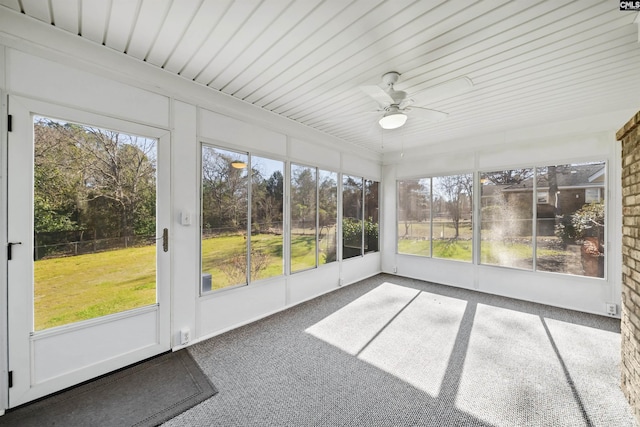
[(390, 78)]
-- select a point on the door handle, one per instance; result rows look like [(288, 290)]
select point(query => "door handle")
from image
[(9, 249)]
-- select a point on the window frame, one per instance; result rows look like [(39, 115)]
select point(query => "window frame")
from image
[(216, 145), (604, 197)]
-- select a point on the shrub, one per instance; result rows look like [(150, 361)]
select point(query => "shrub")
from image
[(587, 221)]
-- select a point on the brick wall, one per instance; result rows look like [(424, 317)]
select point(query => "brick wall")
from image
[(630, 326)]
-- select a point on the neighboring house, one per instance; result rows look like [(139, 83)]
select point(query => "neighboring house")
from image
[(575, 186)]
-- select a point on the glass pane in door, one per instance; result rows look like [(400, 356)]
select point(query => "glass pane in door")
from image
[(94, 201)]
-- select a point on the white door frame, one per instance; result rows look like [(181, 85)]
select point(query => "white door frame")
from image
[(84, 350), (4, 362)]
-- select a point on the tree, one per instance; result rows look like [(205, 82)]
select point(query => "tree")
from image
[(509, 176), (119, 174), (328, 196), (303, 195), (55, 183), (224, 192), (413, 201), (453, 191), (88, 177), (266, 199)]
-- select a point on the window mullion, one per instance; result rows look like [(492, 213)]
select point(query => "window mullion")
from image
[(431, 217), (249, 218), (534, 215), (317, 218), (362, 218)]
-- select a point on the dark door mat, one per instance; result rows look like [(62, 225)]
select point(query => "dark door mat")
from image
[(146, 394)]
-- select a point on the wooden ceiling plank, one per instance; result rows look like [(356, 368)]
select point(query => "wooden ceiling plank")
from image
[(584, 86), (569, 47), (11, 4), (261, 20), (38, 9), (434, 59), (332, 60), (147, 27), (94, 18), (124, 14), (355, 29), (510, 44), (539, 112), (225, 28), (66, 15), (306, 28), (322, 75), (550, 88), (443, 72), (587, 94), (360, 63), (191, 30), (236, 74), (434, 68)]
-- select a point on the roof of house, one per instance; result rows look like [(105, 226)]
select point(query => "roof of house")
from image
[(575, 175)]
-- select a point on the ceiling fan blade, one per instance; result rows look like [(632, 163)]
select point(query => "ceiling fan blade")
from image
[(444, 90), (426, 114), (379, 95)]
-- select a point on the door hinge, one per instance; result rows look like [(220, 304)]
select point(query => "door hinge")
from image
[(10, 379), (165, 239), (9, 123)]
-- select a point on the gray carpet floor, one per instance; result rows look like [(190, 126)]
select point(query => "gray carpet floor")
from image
[(391, 351)]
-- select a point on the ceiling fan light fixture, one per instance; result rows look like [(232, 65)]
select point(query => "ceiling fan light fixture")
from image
[(392, 120)]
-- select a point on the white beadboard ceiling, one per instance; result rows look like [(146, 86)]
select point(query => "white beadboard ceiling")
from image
[(531, 62)]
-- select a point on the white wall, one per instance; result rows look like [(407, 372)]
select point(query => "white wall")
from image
[(555, 144)]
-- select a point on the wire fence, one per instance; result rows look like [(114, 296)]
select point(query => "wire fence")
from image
[(82, 247)]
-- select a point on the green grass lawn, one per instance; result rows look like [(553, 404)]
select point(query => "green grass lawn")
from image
[(303, 252), (450, 249), (218, 253), (492, 252), (224, 258), (71, 289)]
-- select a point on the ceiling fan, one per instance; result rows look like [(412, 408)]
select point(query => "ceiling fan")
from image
[(396, 105)]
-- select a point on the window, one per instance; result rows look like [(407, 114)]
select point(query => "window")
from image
[(435, 217), (452, 217), (236, 251), (327, 216), (370, 216), (570, 232), (267, 190), (592, 195), (225, 208), (303, 217), (507, 218), (359, 216), (414, 217), (314, 215), (351, 216)]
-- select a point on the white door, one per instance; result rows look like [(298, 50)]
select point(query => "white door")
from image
[(88, 288)]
